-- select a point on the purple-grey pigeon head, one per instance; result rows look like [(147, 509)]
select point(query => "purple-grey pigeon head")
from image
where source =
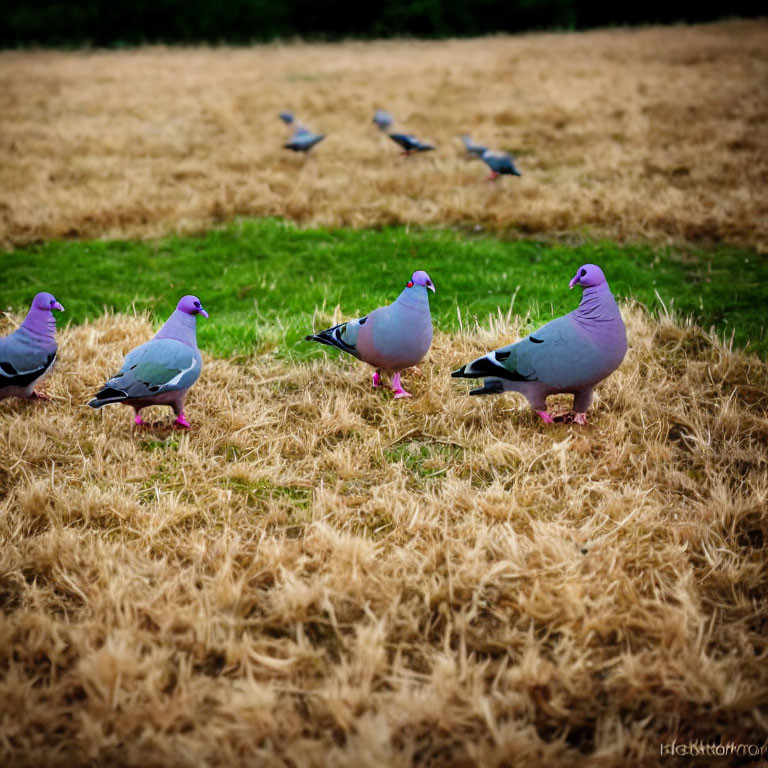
[(46, 302), (420, 277), (191, 305), (588, 276), (286, 117)]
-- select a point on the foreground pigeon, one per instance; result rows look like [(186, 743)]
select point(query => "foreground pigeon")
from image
[(570, 354), (500, 163), (383, 119), (472, 147), (390, 338), (161, 371), (28, 354), (410, 143)]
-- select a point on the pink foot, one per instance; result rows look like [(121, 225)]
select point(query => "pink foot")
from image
[(182, 422), (493, 177), (139, 422), (397, 388), (376, 379), (546, 417), (39, 396), (580, 419)]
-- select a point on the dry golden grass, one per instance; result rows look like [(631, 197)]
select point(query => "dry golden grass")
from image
[(655, 133), (320, 576)]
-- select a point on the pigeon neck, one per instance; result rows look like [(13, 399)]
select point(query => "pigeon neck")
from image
[(40, 324), (414, 297), (180, 326), (597, 305)]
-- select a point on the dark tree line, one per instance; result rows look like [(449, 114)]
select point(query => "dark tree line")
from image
[(129, 22)]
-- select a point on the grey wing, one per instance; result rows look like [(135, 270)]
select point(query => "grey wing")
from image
[(21, 363), (554, 355), (558, 354), (160, 365)]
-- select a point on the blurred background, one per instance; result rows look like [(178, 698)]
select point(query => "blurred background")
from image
[(115, 23)]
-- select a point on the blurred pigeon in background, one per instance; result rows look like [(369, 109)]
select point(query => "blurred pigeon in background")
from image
[(303, 140), (161, 371), (472, 147), (390, 338), (410, 143), (27, 355), (383, 119), (500, 164), (570, 354)]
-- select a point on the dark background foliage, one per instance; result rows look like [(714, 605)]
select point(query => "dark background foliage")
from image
[(128, 22)]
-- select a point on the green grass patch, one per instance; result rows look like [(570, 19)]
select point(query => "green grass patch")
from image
[(263, 280)]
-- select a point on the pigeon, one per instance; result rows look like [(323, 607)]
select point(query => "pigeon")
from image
[(303, 140), (286, 117), (500, 163), (383, 119), (472, 147), (570, 354), (28, 354), (161, 371), (390, 338), (410, 143)]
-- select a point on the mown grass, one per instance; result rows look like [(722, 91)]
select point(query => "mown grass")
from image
[(266, 283)]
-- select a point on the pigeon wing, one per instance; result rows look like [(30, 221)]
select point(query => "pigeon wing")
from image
[(160, 365)]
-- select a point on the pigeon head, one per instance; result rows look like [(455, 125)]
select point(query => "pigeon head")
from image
[(286, 117), (46, 302), (420, 277), (190, 305), (588, 276)]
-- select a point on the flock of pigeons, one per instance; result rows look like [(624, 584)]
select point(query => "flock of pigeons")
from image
[(570, 354), (303, 139)]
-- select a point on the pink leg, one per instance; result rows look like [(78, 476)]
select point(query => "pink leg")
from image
[(397, 387), (138, 421), (546, 417), (493, 176), (580, 419), (39, 395), (376, 379), (182, 422)]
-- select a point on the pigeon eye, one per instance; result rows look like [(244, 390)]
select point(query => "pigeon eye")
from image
[(429, 282), (52, 302), (409, 284), (583, 272), (197, 304)]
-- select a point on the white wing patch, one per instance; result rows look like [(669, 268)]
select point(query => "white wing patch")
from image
[(177, 378)]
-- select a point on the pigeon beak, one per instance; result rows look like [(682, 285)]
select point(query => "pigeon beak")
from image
[(58, 306), (202, 312), (431, 287), (574, 280)]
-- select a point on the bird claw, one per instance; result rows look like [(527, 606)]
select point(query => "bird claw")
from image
[(401, 393), (39, 396), (182, 423), (139, 422), (376, 379), (571, 417), (546, 417)]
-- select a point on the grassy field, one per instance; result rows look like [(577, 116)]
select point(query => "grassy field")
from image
[(643, 134), (320, 576), (267, 283)]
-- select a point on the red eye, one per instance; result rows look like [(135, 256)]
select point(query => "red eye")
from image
[(409, 284)]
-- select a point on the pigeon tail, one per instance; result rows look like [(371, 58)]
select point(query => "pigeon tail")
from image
[(107, 395), (332, 337)]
